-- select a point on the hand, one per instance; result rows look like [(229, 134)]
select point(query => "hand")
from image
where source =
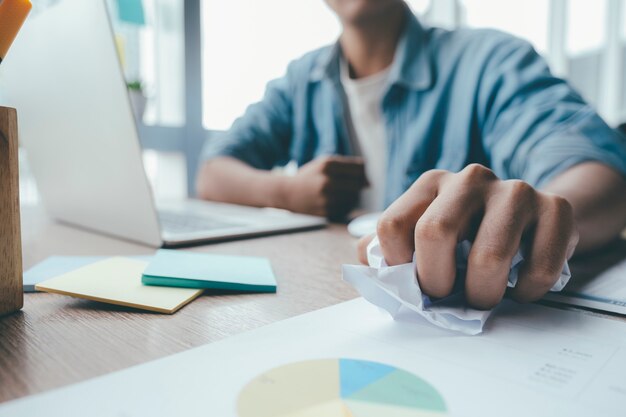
[(443, 208), (328, 186)]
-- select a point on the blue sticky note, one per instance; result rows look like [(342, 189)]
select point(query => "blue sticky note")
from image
[(59, 265), (131, 11), (174, 268)]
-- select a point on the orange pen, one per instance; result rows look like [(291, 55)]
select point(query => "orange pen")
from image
[(13, 13)]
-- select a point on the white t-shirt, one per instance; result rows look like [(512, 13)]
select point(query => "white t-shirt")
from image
[(365, 96)]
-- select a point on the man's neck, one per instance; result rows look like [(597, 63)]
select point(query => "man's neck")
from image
[(369, 47)]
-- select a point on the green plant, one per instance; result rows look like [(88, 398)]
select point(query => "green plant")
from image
[(135, 86)]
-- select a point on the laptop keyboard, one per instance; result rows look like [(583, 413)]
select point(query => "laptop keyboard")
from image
[(175, 222)]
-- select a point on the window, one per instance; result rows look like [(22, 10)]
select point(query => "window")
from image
[(246, 43), (586, 26), (574, 37), (623, 19), (150, 39), (527, 19)]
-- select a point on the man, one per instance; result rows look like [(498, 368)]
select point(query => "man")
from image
[(466, 130)]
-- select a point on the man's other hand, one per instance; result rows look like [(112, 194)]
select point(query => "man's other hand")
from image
[(442, 209), (329, 186)]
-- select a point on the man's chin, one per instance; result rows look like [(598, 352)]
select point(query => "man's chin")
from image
[(364, 11)]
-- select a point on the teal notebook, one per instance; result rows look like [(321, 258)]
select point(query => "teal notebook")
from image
[(172, 268)]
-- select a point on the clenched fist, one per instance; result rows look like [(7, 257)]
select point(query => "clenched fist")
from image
[(328, 186), (442, 209)]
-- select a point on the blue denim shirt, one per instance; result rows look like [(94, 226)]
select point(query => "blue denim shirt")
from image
[(453, 98)]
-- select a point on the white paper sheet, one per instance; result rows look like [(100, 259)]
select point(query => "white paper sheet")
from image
[(396, 289), (530, 361)]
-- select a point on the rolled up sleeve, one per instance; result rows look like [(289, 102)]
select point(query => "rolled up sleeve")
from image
[(261, 137), (535, 126)]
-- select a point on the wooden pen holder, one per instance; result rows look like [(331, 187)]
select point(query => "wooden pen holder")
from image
[(11, 293)]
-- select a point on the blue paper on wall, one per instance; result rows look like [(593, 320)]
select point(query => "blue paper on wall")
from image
[(131, 11), (221, 272)]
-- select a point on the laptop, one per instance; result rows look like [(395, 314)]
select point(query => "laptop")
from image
[(76, 123)]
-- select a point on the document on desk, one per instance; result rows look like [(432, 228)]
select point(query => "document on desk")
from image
[(606, 292), (531, 360)]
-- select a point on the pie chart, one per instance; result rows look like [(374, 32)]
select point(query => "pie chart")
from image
[(339, 388)]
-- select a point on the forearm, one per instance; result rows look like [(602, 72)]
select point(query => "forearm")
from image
[(229, 180), (598, 195)]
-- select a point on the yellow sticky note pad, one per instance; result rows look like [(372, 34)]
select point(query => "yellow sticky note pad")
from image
[(118, 281)]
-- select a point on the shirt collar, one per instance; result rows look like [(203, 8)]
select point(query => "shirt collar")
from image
[(411, 67)]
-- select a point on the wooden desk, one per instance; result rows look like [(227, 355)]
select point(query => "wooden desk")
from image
[(58, 340)]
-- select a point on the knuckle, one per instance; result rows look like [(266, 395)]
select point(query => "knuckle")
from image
[(542, 278), (560, 205), (325, 162), (435, 288), (476, 173), (484, 294), (434, 228), (487, 258), (431, 176), (390, 225), (488, 266), (519, 190), (436, 291), (533, 291)]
